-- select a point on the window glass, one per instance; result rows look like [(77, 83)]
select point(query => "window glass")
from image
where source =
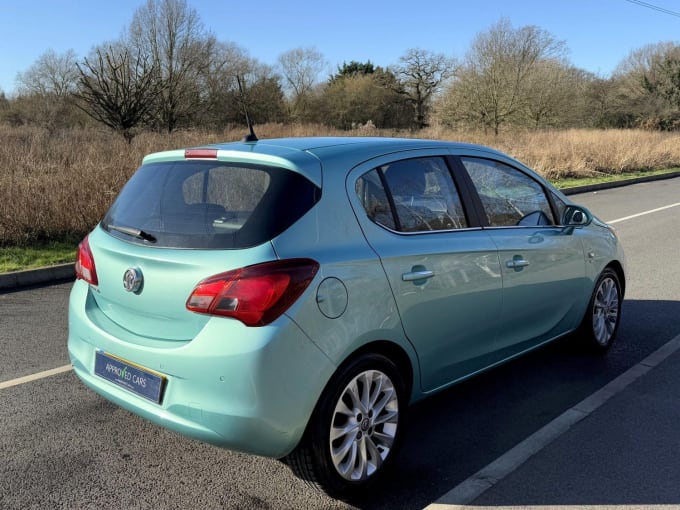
[(234, 188), (372, 194), (509, 197), (197, 204), (424, 195), (422, 192)]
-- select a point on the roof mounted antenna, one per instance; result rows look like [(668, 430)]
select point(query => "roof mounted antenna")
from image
[(250, 137)]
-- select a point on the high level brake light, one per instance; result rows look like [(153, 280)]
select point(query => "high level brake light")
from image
[(85, 268), (256, 295), (200, 154)]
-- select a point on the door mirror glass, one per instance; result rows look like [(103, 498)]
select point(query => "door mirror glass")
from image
[(576, 216)]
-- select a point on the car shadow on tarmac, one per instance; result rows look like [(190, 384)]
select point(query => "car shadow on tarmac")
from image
[(455, 433)]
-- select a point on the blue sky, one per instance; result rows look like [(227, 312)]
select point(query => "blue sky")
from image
[(598, 33)]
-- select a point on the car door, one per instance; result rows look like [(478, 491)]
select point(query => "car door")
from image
[(542, 263), (444, 273)]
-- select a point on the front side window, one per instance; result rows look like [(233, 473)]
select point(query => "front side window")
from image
[(509, 197), (413, 195), (202, 204)]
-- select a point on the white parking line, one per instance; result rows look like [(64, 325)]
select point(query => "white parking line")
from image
[(467, 491), (580, 507), (35, 377), (643, 213)]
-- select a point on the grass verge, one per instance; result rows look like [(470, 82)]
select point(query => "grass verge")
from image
[(56, 252), (59, 252), (601, 179)]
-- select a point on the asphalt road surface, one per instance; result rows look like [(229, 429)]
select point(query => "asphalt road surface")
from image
[(62, 446)]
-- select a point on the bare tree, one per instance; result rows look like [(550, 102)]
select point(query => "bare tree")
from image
[(300, 68), (170, 35), (492, 85), (218, 81), (555, 92), (650, 79), (118, 90), (4, 104), (44, 90), (221, 91), (421, 74), (51, 74), (227, 61)]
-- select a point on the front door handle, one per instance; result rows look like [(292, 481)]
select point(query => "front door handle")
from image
[(413, 276)]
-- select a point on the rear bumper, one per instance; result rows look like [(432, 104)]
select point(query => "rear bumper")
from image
[(246, 389)]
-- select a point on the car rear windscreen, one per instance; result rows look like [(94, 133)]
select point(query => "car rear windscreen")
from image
[(208, 204)]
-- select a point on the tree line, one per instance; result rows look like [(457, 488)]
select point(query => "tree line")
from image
[(167, 72)]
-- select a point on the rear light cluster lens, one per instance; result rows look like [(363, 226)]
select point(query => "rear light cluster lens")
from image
[(256, 295), (85, 268)]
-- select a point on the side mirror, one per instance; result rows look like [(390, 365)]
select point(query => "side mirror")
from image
[(576, 216)]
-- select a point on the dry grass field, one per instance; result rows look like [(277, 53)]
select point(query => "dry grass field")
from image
[(56, 186)]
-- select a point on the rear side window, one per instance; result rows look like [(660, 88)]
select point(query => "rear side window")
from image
[(371, 192), (412, 195), (207, 204)]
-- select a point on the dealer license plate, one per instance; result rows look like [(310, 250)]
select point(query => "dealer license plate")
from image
[(132, 377)]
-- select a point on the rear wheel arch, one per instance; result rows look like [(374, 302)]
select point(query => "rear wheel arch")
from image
[(394, 352), (310, 460), (391, 350)]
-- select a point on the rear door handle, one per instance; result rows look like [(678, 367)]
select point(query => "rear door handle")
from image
[(417, 275), (517, 263)]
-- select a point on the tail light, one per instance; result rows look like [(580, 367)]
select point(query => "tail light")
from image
[(256, 295), (85, 268)]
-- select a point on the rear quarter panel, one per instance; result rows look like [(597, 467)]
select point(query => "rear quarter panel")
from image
[(329, 233)]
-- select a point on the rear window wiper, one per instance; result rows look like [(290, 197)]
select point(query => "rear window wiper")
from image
[(134, 232)]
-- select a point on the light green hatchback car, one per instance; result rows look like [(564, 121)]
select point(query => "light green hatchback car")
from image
[(291, 297)]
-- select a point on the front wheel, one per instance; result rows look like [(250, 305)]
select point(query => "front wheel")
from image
[(355, 430), (601, 322)]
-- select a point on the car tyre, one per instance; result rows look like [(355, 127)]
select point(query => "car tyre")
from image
[(601, 322), (354, 434)]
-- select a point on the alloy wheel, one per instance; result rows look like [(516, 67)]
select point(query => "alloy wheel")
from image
[(605, 311), (364, 425)]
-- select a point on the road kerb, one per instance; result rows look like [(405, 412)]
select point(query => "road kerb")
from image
[(40, 276)]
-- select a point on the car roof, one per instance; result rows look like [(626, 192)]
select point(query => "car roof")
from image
[(306, 154), (341, 144)]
